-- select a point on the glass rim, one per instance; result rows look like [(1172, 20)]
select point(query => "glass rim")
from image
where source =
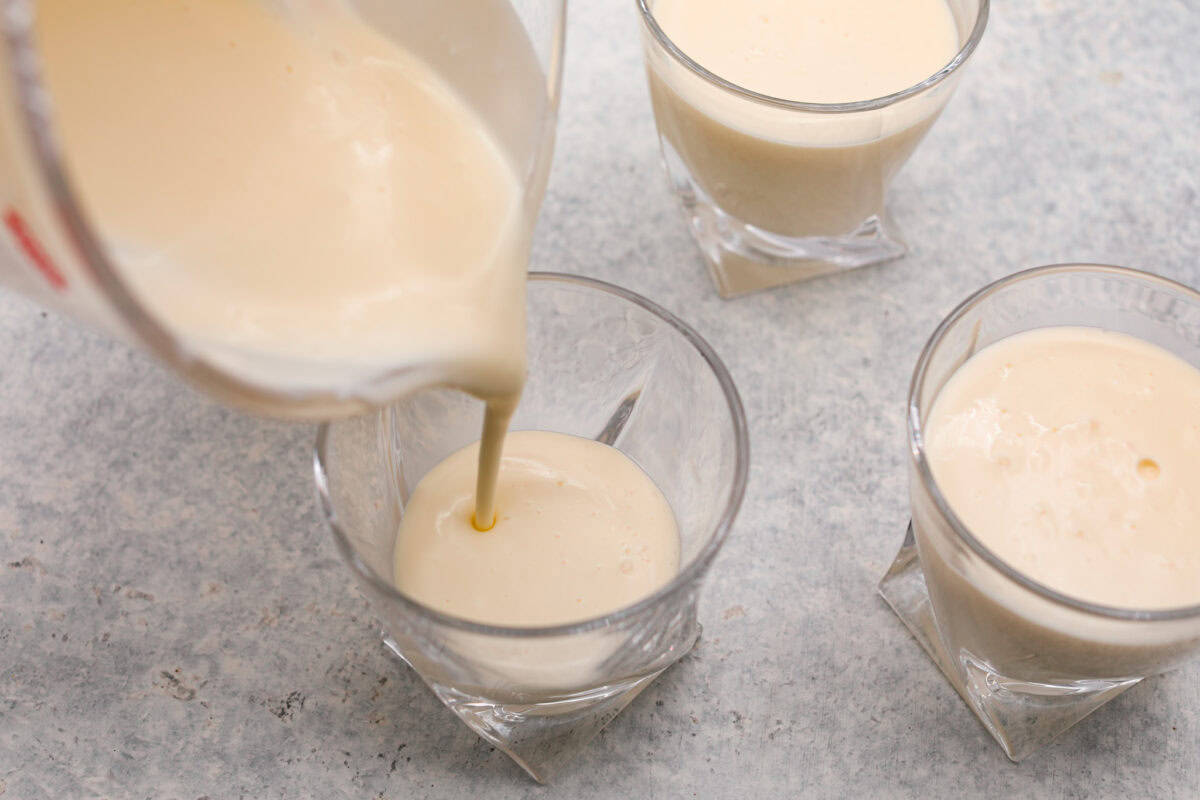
[(688, 575), (919, 461), (960, 58), (37, 119)]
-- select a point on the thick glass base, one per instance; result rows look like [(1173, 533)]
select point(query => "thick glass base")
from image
[(1021, 716), (542, 734), (742, 258)]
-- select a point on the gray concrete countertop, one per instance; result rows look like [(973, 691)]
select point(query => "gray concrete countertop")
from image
[(175, 623)]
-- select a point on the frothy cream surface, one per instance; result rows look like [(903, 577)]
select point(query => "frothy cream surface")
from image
[(818, 51), (581, 531), (303, 200), (1074, 455)]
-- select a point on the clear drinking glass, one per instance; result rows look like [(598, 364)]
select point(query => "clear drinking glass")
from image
[(51, 252), (1028, 660), (778, 190), (603, 363)]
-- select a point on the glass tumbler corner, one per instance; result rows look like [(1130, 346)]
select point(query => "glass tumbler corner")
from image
[(777, 190), (603, 363), (1028, 660)]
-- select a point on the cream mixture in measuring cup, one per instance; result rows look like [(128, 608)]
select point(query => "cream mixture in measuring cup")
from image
[(302, 201), (307, 204)]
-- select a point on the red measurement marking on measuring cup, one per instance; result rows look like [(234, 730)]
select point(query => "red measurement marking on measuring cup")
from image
[(33, 248)]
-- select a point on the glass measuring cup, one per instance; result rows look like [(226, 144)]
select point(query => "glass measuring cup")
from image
[(603, 363), (53, 253), (1029, 660)]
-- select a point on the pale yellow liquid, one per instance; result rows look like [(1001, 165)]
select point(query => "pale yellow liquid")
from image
[(1074, 455), (816, 51), (308, 204), (581, 531), (788, 172)]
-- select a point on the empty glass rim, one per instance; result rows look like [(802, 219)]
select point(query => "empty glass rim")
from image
[(686, 61), (916, 440), (690, 573)]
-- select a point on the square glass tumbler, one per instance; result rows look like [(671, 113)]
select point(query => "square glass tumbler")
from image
[(1028, 660), (778, 190), (603, 363)]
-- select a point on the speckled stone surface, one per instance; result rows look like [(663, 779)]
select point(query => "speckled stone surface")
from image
[(175, 623)]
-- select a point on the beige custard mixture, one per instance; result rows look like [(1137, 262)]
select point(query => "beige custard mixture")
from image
[(786, 172), (309, 203), (1074, 455)]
